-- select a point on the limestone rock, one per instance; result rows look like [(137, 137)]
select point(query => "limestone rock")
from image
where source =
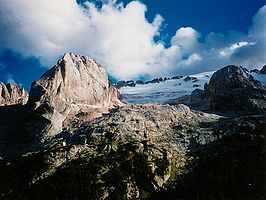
[(75, 83), (233, 88), (12, 94)]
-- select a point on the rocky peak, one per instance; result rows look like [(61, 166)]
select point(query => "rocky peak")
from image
[(233, 88), (12, 94), (76, 83), (231, 77)]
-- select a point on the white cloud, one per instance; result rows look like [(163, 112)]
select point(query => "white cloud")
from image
[(258, 30), (187, 39), (228, 51), (121, 38), (118, 36), (192, 59)]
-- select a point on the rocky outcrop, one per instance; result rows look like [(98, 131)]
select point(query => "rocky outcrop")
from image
[(263, 70), (233, 88), (12, 94), (188, 78), (76, 84), (256, 71), (121, 84)]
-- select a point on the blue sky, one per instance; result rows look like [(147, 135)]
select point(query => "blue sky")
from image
[(148, 38)]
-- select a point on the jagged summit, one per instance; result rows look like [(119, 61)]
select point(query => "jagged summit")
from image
[(12, 94), (75, 79), (75, 83)]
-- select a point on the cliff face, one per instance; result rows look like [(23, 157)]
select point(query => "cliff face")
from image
[(11, 94), (233, 88), (77, 84)]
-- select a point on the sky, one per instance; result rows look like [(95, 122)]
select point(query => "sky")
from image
[(131, 39)]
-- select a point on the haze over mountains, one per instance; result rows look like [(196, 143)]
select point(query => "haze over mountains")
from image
[(76, 139)]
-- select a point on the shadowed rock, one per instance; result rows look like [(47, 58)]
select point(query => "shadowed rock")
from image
[(233, 88), (263, 70)]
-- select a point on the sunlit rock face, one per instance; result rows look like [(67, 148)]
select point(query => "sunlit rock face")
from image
[(12, 94), (75, 84)]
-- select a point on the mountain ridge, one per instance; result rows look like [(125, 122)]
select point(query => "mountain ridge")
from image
[(12, 94)]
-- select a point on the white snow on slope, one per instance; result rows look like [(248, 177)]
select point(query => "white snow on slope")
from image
[(163, 92)]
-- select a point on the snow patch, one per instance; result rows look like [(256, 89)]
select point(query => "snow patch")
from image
[(165, 91)]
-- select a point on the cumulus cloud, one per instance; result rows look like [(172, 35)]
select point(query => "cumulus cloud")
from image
[(228, 51), (237, 48), (187, 39), (121, 38), (118, 36)]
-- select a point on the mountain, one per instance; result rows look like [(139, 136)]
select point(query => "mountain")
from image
[(77, 87), (12, 94), (75, 139), (230, 89), (169, 89), (77, 84), (233, 88)]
